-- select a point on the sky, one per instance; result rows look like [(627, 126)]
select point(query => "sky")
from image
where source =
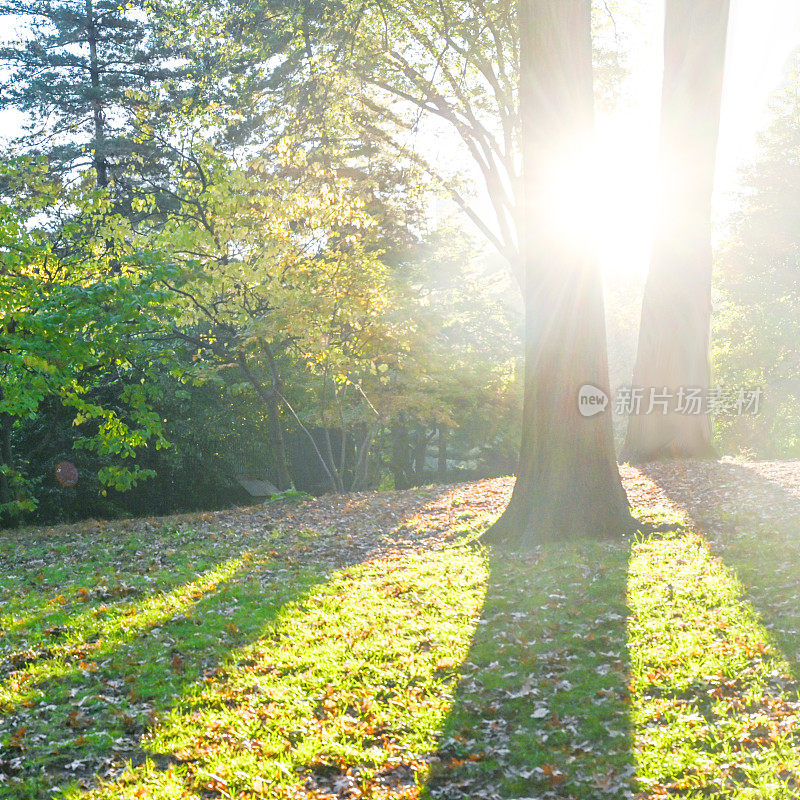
[(763, 37)]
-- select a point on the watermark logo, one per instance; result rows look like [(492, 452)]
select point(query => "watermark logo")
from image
[(631, 401), (591, 400), (687, 401)]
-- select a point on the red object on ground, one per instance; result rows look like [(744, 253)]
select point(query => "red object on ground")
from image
[(66, 473)]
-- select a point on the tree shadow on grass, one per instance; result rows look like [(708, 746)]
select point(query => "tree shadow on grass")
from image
[(729, 701), (753, 524), (84, 711), (542, 708)]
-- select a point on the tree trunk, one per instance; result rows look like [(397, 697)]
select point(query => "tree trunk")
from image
[(361, 469), (277, 444), (420, 451), (6, 456), (334, 471), (568, 484), (673, 351), (441, 459), (98, 114), (273, 409), (399, 463)]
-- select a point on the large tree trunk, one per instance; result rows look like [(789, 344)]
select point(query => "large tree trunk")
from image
[(673, 352), (568, 484)]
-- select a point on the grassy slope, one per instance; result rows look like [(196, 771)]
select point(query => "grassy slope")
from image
[(240, 666)]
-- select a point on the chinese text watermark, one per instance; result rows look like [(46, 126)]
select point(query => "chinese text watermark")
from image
[(635, 400)]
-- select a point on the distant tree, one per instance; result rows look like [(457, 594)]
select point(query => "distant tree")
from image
[(405, 67), (272, 271), (757, 304), (453, 377), (81, 70), (273, 256), (673, 350)]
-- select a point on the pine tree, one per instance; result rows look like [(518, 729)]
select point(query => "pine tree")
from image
[(80, 71)]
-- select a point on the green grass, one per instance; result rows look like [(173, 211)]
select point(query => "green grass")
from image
[(715, 702), (181, 665), (544, 703), (225, 666)]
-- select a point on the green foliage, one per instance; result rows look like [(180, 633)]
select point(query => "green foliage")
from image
[(221, 220), (76, 300), (758, 302), (76, 71), (459, 364)]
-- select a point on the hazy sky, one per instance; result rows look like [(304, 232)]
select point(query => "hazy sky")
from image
[(763, 37), (764, 34)]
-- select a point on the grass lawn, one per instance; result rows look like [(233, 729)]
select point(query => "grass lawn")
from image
[(228, 658)]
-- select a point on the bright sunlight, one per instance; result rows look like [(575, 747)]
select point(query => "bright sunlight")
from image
[(611, 191)]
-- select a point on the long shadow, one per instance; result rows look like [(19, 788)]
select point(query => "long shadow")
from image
[(87, 713), (753, 524), (80, 704), (542, 708), (746, 701)]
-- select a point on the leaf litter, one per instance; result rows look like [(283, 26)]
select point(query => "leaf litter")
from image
[(364, 646)]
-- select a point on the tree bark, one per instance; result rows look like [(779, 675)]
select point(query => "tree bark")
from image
[(674, 337), (399, 462), (335, 471), (6, 456), (568, 485), (420, 452), (361, 469), (441, 460), (277, 444), (98, 114)]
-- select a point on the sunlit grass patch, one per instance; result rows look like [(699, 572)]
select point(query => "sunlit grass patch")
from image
[(347, 686), (228, 665), (94, 635), (635, 669), (766, 557), (124, 625), (715, 705)]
